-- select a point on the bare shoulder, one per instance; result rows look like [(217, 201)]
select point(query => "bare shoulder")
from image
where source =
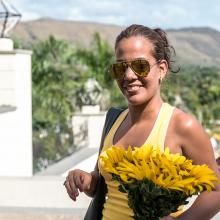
[(186, 124), (193, 139)]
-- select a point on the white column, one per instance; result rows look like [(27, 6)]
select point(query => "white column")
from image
[(16, 115), (87, 127)]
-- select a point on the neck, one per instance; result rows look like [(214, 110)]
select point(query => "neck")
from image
[(146, 111)]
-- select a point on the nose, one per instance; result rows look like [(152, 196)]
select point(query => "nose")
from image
[(129, 74)]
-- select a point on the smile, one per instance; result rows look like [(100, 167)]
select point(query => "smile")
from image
[(132, 88)]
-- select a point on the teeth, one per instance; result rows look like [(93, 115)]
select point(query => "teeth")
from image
[(132, 88)]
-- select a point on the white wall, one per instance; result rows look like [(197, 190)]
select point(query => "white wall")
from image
[(87, 127), (7, 79), (16, 126), (38, 192)]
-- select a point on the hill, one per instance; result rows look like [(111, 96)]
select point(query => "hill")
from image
[(194, 46)]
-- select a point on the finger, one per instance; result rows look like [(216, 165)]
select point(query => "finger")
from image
[(68, 189), (79, 182), (71, 186), (72, 194), (72, 180)]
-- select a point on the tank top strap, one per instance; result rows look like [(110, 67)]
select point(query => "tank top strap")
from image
[(159, 130), (109, 137), (157, 134)]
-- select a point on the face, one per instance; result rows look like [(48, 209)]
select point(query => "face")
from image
[(139, 90)]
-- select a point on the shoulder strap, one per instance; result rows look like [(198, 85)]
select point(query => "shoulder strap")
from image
[(111, 117), (94, 211)]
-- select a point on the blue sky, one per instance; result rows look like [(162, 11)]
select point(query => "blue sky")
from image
[(153, 13)]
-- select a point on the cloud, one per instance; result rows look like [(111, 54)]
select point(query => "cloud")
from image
[(101, 11), (165, 14), (27, 15), (23, 6)]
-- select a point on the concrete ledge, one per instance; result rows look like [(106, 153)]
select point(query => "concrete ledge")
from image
[(42, 192), (17, 213), (16, 51), (7, 108), (22, 210), (40, 210), (69, 162)]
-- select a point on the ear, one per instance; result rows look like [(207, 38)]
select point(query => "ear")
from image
[(163, 65)]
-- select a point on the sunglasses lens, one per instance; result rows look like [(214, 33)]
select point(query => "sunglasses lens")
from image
[(141, 67), (118, 70)]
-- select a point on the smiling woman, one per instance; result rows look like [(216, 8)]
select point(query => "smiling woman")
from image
[(143, 59)]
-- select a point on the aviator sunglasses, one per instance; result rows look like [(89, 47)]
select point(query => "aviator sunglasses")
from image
[(140, 67)]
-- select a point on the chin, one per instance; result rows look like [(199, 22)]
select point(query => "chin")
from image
[(136, 101)]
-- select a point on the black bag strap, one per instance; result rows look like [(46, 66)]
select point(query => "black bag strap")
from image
[(110, 119), (94, 211)]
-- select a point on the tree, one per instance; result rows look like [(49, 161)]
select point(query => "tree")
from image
[(199, 89), (54, 80), (97, 61)]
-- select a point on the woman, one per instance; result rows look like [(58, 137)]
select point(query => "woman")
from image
[(143, 58)]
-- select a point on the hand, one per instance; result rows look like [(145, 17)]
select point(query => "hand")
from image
[(77, 180)]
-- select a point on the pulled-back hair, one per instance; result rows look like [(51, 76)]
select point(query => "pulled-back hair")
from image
[(162, 49)]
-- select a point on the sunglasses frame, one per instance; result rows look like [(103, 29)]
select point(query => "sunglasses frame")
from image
[(128, 63)]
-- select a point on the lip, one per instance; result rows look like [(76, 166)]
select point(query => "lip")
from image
[(132, 87), (131, 84)]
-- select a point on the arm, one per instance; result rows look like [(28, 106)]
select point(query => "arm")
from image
[(95, 175), (79, 180), (94, 180), (196, 145), (111, 116)]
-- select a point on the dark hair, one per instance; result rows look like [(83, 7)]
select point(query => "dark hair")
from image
[(162, 49)]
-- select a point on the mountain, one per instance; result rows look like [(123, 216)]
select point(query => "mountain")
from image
[(194, 46), (78, 33)]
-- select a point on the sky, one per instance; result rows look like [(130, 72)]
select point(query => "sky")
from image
[(153, 13)]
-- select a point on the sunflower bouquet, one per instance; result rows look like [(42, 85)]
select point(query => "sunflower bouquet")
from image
[(156, 183)]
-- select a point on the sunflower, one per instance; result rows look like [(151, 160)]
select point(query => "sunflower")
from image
[(156, 176)]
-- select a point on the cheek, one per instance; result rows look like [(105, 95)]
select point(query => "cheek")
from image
[(153, 79), (120, 85), (150, 84)]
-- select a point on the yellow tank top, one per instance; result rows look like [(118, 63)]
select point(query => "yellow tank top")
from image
[(116, 205)]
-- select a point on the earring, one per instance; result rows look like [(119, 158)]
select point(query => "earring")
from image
[(160, 79)]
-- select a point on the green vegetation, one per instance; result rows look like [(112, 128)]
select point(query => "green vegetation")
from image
[(96, 62), (54, 80), (196, 90), (59, 71)]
